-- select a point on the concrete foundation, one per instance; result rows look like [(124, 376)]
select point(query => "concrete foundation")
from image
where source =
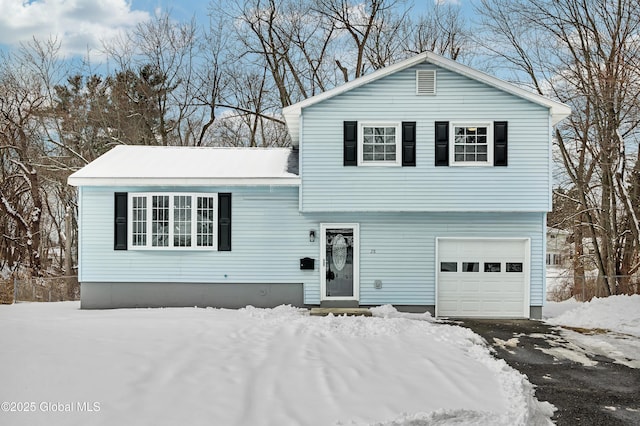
[(150, 295)]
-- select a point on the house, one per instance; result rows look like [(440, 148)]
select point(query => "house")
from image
[(559, 271), (558, 250), (424, 185)]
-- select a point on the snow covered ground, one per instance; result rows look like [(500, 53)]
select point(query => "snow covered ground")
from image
[(62, 365), (604, 326)]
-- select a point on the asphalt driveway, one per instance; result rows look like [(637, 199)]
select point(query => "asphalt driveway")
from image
[(587, 389)]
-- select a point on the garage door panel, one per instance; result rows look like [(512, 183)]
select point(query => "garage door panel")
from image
[(468, 286), (470, 306), (490, 289), (474, 248)]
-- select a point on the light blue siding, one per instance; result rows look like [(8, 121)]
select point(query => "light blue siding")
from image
[(399, 250), (329, 186), (270, 236)]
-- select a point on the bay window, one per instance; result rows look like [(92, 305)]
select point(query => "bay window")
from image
[(172, 220)]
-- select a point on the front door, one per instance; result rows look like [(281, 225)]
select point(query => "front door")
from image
[(339, 259)]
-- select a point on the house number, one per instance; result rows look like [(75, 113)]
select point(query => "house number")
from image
[(373, 251)]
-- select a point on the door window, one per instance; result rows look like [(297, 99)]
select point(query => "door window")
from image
[(339, 262)]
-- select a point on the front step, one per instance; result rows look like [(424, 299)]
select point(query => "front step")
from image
[(365, 312), (339, 304)]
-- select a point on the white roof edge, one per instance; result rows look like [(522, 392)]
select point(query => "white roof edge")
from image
[(137, 181), (558, 110), (295, 109)]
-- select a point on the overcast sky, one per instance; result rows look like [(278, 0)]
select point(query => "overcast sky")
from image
[(81, 25)]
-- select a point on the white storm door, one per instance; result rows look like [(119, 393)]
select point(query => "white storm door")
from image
[(339, 259)]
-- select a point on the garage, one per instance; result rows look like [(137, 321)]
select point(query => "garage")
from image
[(480, 277)]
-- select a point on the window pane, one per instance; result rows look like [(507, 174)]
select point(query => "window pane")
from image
[(448, 267), (492, 267), (471, 141), (182, 221), (379, 144), (470, 267), (160, 221), (139, 221), (514, 267), (205, 222)]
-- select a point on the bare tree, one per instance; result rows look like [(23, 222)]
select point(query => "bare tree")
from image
[(211, 79), (442, 30), (289, 40), (585, 54), (158, 60), (359, 21), (25, 78)]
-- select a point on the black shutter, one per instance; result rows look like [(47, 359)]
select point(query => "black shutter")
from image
[(500, 143), (350, 134), (224, 222), (120, 223), (408, 143), (442, 143)]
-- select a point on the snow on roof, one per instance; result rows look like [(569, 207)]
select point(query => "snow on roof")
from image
[(160, 165)]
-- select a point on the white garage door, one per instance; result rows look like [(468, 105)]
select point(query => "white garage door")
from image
[(483, 278)]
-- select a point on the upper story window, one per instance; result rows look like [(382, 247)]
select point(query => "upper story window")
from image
[(172, 221), (471, 144), (380, 144)]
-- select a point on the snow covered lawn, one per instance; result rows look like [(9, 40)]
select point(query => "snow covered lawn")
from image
[(608, 326), (250, 367)]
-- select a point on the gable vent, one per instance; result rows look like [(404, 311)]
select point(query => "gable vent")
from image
[(426, 82)]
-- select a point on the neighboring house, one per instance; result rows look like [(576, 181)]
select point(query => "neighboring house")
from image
[(424, 185), (559, 266), (558, 251)]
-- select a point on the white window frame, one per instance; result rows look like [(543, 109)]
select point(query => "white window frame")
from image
[(398, 161), (452, 138), (194, 220)]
